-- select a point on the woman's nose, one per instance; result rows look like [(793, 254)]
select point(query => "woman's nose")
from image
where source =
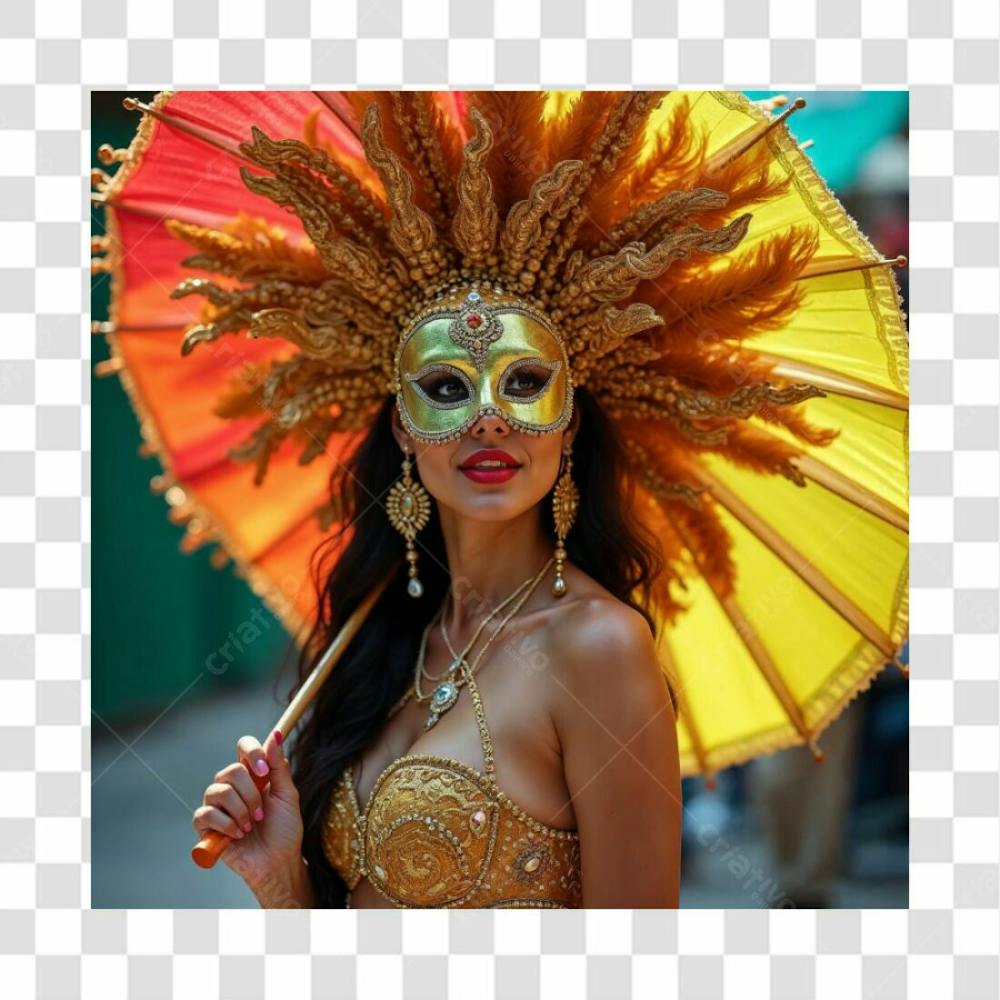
[(490, 422)]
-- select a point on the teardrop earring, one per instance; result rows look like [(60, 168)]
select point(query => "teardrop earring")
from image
[(565, 504), (409, 508)]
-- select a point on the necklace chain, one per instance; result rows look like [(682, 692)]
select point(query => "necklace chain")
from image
[(455, 658), (446, 694)]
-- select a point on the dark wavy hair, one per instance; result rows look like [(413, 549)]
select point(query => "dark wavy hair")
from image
[(349, 711)]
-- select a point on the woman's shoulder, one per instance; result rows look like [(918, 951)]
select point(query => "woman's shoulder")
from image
[(602, 656), (599, 625), (595, 635)]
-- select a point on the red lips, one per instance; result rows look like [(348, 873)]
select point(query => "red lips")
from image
[(492, 473)]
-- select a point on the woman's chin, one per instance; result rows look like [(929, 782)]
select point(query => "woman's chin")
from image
[(492, 503)]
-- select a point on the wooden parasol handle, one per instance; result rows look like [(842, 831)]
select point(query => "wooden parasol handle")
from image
[(206, 852)]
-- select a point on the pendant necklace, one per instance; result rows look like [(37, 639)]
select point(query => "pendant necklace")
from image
[(456, 658), (446, 693)]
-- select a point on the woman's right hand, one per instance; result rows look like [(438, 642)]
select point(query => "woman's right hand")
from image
[(265, 828)]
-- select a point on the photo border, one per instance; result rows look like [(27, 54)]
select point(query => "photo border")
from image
[(53, 54)]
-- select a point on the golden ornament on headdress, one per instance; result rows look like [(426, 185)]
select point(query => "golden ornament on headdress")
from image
[(562, 235)]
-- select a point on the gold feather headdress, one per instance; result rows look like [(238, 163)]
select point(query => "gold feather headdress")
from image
[(582, 220)]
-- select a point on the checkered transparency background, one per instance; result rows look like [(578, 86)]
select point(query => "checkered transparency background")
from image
[(52, 53)]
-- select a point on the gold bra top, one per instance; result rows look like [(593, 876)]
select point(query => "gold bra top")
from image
[(435, 832)]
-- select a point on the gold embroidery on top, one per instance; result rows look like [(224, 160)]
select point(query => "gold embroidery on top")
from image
[(436, 832)]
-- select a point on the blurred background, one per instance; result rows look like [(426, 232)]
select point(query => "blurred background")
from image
[(168, 703)]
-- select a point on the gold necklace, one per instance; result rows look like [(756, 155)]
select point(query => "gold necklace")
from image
[(446, 694), (456, 659)]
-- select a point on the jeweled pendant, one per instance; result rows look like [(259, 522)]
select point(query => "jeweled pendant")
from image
[(445, 695)]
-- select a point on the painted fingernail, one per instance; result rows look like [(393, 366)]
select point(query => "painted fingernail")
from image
[(278, 737), (261, 767), (258, 814), (247, 827)]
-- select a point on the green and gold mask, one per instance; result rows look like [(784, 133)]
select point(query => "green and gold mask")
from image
[(478, 353)]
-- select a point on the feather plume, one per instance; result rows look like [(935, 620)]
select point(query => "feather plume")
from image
[(356, 167), (412, 231), (517, 158), (426, 131), (443, 141), (474, 227), (666, 213), (582, 213), (703, 534), (572, 137), (668, 587), (397, 138), (696, 528), (676, 150), (248, 248), (411, 113), (607, 200), (747, 448), (751, 293), (795, 421), (748, 179), (713, 366)]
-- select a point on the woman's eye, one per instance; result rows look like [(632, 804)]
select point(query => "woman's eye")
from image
[(444, 388), (526, 381)]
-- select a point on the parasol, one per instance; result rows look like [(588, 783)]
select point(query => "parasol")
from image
[(775, 622)]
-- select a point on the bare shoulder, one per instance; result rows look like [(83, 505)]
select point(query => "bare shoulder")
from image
[(598, 627), (604, 656)]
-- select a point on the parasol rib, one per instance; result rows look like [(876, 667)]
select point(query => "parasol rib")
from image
[(816, 268), (331, 106), (104, 328), (750, 137), (149, 213), (110, 366), (768, 669), (751, 639), (852, 491), (226, 144), (846, 487), (287, 533), (835, 382), (796, 561), (271, 546)]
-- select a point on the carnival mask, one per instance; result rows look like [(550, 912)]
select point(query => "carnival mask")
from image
[(468, 357)]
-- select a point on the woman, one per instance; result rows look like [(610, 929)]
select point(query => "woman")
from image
[(581, 723), (499, 732)]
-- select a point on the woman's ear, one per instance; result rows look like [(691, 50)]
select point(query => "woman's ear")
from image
[(403, 439), (569, 435)]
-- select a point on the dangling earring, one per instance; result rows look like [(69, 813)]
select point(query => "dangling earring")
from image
[(565, 503), (409, 508)]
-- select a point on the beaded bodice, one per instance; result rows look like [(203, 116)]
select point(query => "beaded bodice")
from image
[(435, 832)]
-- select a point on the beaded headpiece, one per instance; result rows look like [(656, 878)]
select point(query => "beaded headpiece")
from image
[(384, 258), (572, 225)]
